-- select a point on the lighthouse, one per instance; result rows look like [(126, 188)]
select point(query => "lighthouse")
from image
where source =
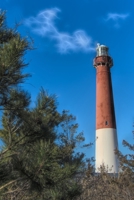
[(106, 135)]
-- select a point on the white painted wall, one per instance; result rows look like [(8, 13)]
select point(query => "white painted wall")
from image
[(106, 142)]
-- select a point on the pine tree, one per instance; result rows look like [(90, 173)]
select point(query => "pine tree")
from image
[(12, 50), (43, 160), (38, 159)]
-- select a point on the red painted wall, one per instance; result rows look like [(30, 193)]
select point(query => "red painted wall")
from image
[(105, 115)]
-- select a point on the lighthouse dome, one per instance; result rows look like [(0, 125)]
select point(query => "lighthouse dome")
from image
[(102, 50)]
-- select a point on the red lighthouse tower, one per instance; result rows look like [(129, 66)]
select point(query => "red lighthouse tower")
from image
[(106, 136)]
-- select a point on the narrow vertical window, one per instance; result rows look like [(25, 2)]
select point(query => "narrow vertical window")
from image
[(106, 123)]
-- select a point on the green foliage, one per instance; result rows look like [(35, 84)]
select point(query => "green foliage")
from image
[(37, 154), (41, 161), (12, 50)]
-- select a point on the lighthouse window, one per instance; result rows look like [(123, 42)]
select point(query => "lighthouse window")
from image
[(106, 123)]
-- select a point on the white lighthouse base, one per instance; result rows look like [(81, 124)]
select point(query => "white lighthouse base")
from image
[(106, 143)]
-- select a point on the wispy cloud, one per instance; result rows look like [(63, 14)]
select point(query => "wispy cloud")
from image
[(44, 25), (116, 18)]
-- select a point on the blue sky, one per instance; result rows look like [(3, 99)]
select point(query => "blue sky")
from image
[(65, 34)]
